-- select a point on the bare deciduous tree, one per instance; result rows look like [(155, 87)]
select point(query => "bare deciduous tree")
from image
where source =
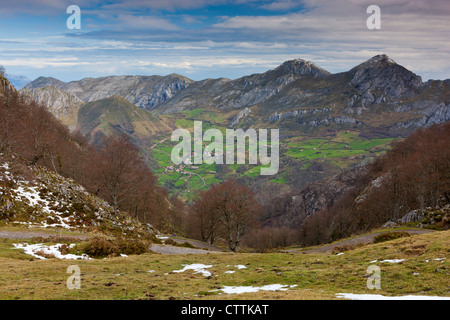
[(227, 210), (119, 160)]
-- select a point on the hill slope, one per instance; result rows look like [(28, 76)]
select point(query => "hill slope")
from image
[(40, 198), (35, 141), (410, 183), (116, 115), (414, 266), (63, 105)]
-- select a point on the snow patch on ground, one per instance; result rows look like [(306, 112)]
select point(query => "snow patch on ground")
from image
[(389, 261), (35, 249), (198, 268), (353, 296), (393, 260), (246, 289), (238, 266), (34, 198), (437, 259)]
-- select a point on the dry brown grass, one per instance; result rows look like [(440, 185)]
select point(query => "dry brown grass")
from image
[(316, 276)]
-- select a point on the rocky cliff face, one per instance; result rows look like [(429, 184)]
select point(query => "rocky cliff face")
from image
[(62, 104), (5, 87), (145, 92), (240, 116)]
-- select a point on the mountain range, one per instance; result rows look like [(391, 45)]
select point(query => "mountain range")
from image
[(298, 95), (328, 122)]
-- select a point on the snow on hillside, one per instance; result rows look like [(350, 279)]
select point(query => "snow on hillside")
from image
[(38, 197)]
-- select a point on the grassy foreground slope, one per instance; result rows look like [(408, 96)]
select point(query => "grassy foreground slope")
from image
[(424, 271)]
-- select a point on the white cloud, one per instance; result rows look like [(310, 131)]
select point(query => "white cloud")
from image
[(145, 22), (161, 4), (41, 63), (281, 5), (332, 34)]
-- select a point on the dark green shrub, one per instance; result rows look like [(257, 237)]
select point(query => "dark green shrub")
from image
[(186, 245), (170, 242), (131, 246), (79, 207), (391, 235), (102, 247), (99, 248)]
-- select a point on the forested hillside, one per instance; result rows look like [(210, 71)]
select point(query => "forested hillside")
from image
[(116, 172), (414, 175), (413, 179)]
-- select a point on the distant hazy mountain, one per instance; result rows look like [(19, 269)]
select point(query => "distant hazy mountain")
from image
[(43, 82), (18, 81)]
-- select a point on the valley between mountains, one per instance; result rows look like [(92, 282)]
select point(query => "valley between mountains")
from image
[(86, 179), (328, 122)]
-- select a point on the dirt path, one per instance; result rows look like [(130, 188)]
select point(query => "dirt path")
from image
[(159, 142), (364, 239), (198, 244), (32, 234), (200, 247), (166, 249)]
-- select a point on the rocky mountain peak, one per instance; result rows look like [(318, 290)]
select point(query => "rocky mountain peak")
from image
[(42, 82), (378, 60), (303, 67), (383, 76)]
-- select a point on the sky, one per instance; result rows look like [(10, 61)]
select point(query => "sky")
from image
[(219, 38)]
